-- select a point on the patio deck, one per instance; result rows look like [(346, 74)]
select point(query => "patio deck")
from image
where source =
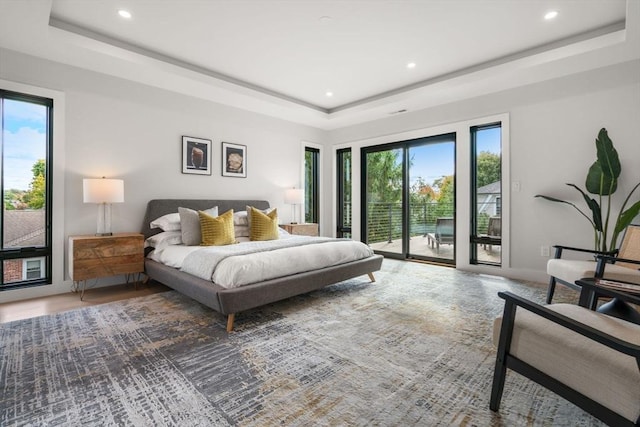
[(418, 245)]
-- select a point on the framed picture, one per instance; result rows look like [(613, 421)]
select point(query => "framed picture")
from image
[(196, 155), (234, 160)]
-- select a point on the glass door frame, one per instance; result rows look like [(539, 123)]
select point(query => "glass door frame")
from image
[(405, 146)]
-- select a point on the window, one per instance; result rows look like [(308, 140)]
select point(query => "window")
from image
[(344, 192), (26, 216), (311, 182), (486, 194), (408, 198), (33, 268)]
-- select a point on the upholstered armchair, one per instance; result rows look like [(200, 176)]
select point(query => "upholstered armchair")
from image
[(586, 357), (567, 271)]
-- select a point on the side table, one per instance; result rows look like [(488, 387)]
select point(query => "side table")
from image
[(622, 292), (306, 229), (91, 257)]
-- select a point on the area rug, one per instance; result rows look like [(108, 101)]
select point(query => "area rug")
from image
[(414, 348)]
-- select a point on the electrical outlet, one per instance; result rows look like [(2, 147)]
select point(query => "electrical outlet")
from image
[(544, 251)]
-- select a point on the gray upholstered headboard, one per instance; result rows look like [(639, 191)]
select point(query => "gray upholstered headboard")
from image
[(158, 207)]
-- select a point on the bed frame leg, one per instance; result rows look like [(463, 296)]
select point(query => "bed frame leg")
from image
[(230, 319), (371, 277)]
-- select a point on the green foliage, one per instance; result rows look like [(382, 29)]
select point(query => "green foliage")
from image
[(385, 172), (602, 181), (35, 197), (488, 167)]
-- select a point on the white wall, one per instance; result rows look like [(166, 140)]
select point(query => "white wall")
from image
[(553, 127), (119, 129), (116, 128)]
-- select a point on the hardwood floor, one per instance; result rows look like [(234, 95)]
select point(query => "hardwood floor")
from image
[(25, 309)]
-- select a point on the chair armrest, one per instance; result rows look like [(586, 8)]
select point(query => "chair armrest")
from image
[(512, 300), (613, 259), (560, 248), (603, 260)]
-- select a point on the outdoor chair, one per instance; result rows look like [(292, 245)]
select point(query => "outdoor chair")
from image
[(586, 357), (443, 233), (494, 230), (567, 271)]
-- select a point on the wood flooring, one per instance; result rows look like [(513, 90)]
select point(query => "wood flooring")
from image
[(25, 309)]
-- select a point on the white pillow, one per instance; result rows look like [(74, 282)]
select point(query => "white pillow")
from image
[(164, 239), (240, 218), (190, 223), (168, 222)]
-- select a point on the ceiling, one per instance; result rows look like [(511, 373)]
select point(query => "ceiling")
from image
[(280, 58)]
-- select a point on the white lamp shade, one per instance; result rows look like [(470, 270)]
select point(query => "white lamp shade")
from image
[(294, 196), (102, 190)]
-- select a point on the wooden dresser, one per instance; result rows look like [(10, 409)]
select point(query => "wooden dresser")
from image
[(91, 257)]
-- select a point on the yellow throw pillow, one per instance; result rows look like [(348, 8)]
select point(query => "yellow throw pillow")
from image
[(263, 226), (217, 231)]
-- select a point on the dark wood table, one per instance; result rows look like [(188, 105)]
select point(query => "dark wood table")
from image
[(593, 289)]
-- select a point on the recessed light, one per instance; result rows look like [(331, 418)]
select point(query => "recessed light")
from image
[(329, 94), (551, 14), (411, 65), (124, 13)]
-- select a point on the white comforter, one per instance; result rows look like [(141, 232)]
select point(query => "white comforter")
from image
[(251, 262)]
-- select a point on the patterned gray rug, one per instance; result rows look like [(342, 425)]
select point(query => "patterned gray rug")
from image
[(412, 349)]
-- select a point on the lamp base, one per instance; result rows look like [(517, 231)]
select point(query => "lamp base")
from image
[(293, 223), (103, 234)]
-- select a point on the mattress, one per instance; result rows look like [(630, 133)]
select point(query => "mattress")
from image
[(246, 263)]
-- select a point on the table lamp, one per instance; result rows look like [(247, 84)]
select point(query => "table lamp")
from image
[(103, 192), (294, 196)]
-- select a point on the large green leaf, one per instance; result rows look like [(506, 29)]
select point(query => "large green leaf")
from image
[(598, 182), (627, 216), (602, 178), (596, 212), (553, 199)]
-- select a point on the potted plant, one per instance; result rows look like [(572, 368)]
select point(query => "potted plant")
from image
[(602, 181)]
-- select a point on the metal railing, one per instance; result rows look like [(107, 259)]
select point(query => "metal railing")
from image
[(385, 219)]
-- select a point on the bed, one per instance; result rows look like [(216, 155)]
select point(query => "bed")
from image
[(229, 301)]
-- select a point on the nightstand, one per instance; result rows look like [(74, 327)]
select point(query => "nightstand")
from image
[(309, 229), (91, 257)]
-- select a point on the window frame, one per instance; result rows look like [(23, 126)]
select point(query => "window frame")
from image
[(474, 239), (30, 252), (341, 229), (312, 197)]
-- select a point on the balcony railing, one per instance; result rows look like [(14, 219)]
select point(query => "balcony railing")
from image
[(385, 219)]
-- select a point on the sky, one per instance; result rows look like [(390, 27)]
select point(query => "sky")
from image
[(24, 133), (436, 160)]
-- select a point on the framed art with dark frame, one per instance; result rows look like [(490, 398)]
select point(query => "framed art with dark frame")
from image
[(234, 160), (196, 155)]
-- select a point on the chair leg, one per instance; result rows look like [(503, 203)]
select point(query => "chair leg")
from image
[(551, 289), (499, 375)]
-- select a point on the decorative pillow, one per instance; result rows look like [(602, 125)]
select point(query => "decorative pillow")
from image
[(168, 222), (264, 211), (263, 226), (164, 239), (217, 231), (190, 223), (240, 218)]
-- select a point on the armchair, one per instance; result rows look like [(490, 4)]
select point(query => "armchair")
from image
[(566, 272), (586, 357)]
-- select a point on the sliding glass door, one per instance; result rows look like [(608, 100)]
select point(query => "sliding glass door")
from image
[(409, 198)]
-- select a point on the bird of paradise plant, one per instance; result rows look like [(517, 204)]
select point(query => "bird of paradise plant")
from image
[(602, 181)]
